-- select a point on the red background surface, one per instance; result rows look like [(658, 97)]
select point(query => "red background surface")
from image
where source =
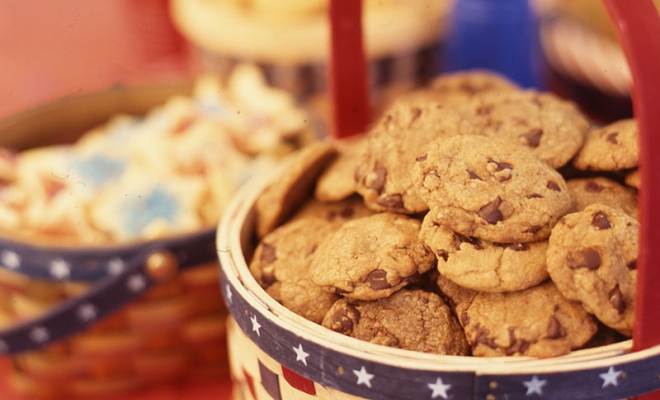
[(53, 49)]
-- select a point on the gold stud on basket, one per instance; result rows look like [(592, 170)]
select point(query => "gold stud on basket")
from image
[(162, 265)]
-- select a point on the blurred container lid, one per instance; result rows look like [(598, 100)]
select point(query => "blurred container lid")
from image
[(502, 36)]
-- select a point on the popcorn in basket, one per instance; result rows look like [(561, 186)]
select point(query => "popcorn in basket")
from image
[(109, 278), (469, 251)]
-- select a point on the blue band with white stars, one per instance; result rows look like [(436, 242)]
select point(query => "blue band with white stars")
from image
[(118, 273), (90, 264), (611, 375)]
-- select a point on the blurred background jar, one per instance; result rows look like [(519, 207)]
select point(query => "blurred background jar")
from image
[(289, 41), (587, 63)]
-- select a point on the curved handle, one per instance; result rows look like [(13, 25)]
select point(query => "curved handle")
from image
[(126, 277), (638, 27)]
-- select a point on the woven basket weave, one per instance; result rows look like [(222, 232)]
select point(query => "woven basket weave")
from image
[(174, 330)]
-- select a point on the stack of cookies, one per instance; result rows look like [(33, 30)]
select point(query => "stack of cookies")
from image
[(473, 218)]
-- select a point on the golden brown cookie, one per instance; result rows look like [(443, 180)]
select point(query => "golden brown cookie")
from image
[(336, 212), (281, 266), (409, 319), (452, 293), (383, 174), (552, 128), (473, 82), (633, 179), (592, 256), (491, 189), (485, 266), (292, 187), (611, 147), (586, 191), (537, 322), (337, 181), (372, 257)]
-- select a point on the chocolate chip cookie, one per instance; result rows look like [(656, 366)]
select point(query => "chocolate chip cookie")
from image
[(611, 147), (452, 293), (485, 266), (409, 319), (336, 212), (586, 191), (337, 181), (290, 189), (537, 322), (552, 128), (383, 173), (372, 257), (491, 189), (591, 257), (280, 264), (471, 83)]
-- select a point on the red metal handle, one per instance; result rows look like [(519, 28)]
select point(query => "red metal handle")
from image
[(349, 89), (638, 27)]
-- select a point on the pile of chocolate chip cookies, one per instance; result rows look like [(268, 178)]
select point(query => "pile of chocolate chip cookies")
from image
[(473, 218)]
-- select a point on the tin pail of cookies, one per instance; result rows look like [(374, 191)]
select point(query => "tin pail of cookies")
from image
[(343, 274), (110, 202)]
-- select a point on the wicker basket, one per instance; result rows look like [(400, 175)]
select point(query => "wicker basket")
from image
[(170, 323), (275, 353)]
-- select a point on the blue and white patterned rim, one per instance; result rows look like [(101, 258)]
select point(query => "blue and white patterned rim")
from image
[(118, 274), (616, 377)]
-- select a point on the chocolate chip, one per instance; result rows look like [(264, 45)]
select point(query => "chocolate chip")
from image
[(344, 319), (554, 330), (377, 280), (593, 187), (268, 277), (379, 183), (533, 229), (600, 221), (491, 211), (534, 196), (533, 138), (552, 185), (444, 254), (481, 337), (268, 253), (612, 137), (460, 239), (347, 212), (632, 265), (422, 158), (484, 110), (473, 175), (416, 112), (392, 201), (414, 278), (516, 345), (312, 250), (500, 166), (517, 246), (587, 258), (330, 216), (616, 299), (465, 318)]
